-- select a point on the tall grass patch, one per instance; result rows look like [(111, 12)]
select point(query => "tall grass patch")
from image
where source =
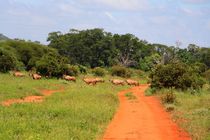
[(191, 110), (80, 112)]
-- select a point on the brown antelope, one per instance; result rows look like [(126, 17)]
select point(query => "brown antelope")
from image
[(18, 74), (99, 80), (90, 81), (69, 78), (117, 82), (132, 82), (36, 76)]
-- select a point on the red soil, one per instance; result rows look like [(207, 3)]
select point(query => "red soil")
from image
[(31, 99), (143, 118), (50, 92)]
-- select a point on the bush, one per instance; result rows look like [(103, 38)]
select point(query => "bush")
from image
[(28, 52), (72, 71), (82, 69), (32, 63), (207, 75), (170, 107), (177, 75), (8, 61), (52, 64), (168, 98), (121, 71), (199, 67), (99, 71)]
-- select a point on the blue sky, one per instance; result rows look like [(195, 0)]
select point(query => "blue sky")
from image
[(157, 21)]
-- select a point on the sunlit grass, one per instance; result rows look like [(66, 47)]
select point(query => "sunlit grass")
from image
[(79, 112), (191, 110)]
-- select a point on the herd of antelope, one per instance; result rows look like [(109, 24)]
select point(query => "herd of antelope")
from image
[(89, 81)]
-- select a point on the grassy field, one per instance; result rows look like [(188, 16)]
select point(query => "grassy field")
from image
[(80, 112), (192, 111), (13, 87)]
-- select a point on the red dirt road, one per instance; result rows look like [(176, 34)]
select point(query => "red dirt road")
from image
[(143, 118)]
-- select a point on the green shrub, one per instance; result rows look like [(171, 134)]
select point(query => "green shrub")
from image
[(32, 63), (8, 61), (168, 98), (99, 71), (150, 91), (170, 107), (175, 75), (20, 66), (207, 75), (199, 67), (82, 69), (52, 64), (139, 73), (28, 52), (121, 71), (72, 71)]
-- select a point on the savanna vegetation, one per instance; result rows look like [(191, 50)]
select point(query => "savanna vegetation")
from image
[(180, 76), (79, 112)]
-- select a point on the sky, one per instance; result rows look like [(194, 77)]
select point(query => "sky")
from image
[(157, 21)]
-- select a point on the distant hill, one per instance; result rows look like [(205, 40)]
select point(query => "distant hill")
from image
[(3, 37)]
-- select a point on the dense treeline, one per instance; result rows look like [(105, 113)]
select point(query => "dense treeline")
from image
[(97, 48), (22, 55)]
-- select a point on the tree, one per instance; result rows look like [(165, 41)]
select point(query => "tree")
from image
[(128, 49), (175, 75), (52, 64), (8, 61), (150, 62)]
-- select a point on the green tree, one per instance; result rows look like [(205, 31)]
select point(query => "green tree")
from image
[(52, 64), (150, 62), (129, 49), (8, 61), (175, 75)]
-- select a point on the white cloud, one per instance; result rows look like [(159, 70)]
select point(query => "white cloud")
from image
[(192, 12), (110, 16)]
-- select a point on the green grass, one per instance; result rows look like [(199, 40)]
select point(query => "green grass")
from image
[(80, 112), (18, 87), (192, 112), (148, 92), (195, 109), (130, 96)]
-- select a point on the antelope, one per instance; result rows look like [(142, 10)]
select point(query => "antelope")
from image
[(36, 76), (69, 78), (132, 82), (117, 82)]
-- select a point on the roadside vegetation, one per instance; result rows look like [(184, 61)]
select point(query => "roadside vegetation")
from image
[(185, 92), (189, 108)]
